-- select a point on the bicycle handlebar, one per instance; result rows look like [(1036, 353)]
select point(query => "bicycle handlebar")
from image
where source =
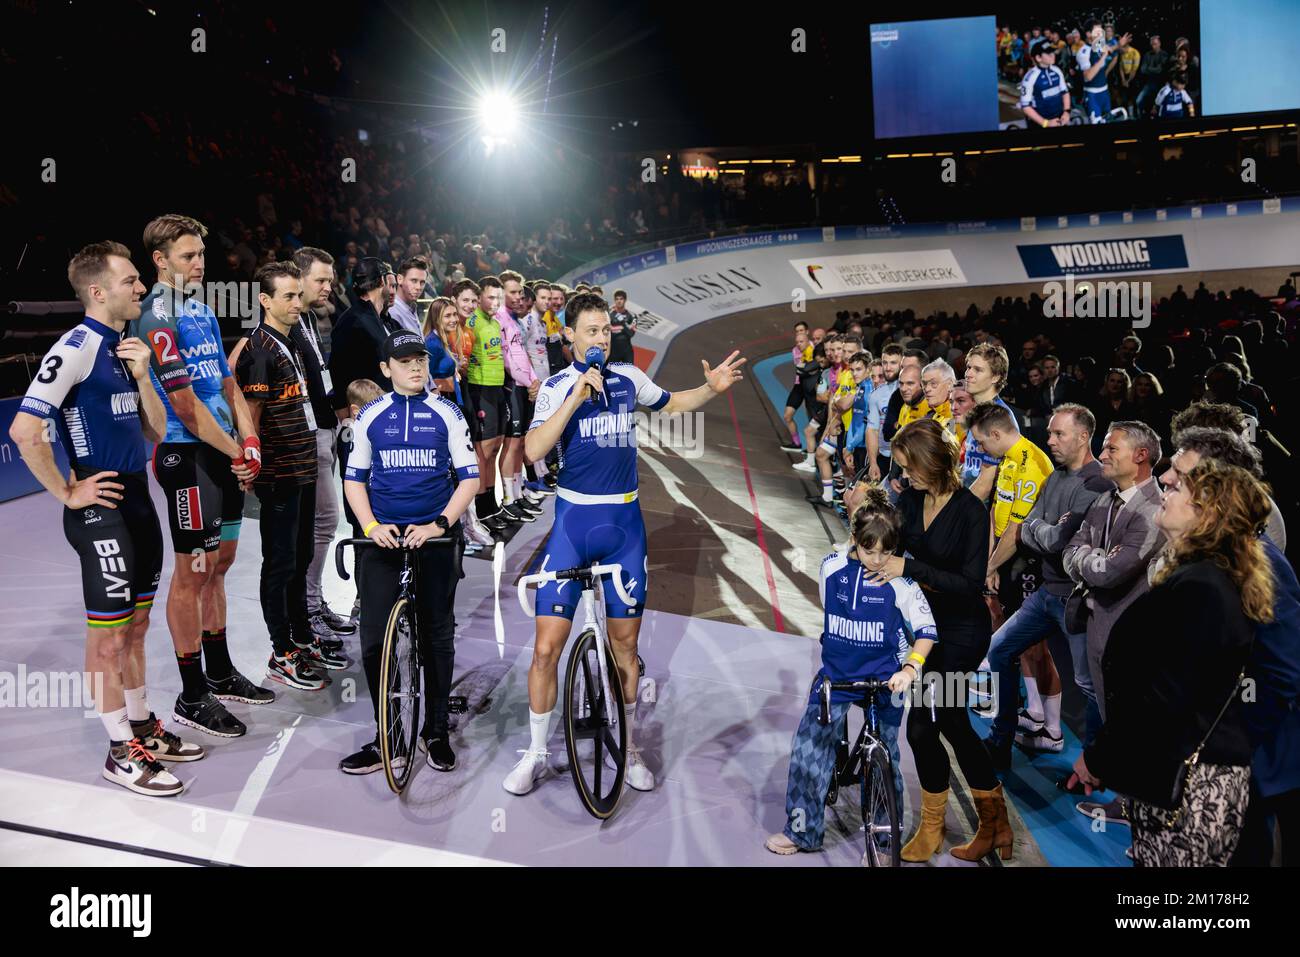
[(868, 685), (338, 549), (591, 572)]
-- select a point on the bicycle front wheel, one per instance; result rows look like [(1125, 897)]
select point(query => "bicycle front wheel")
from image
[(589, 716), (399, 696), (881, 815)]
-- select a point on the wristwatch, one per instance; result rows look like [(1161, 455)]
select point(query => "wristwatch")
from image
[(442, 523)]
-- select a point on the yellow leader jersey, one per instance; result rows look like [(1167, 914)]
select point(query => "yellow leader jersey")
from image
[(1021, 475)]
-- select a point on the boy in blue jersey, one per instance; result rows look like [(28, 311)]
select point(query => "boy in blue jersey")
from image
[(1173, 101), (589, 418), (208, 456), (1044, 95), (871, 631), (410, 476), (93, 388)]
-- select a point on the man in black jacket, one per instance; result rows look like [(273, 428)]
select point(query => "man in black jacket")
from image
[(357, 341), (317, 268)]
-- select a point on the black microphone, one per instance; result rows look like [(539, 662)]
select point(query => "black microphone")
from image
[(596, 359)]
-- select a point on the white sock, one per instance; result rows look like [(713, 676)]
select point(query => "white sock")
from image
[(539, 726), (1052, 714), (826, 491), (629, 716), (1033, 701), (137, 709), (512, 487), (117, 725)]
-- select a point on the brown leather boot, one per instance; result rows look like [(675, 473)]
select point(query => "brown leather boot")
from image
[(929, 834), (994, 830)]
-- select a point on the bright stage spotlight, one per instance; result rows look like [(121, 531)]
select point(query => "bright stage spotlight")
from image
[(498, 112)]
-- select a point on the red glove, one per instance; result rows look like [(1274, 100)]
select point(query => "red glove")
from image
[(252, 455)]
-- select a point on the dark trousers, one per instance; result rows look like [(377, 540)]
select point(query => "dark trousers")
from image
[(288, 541), (949, 718), (1255, 849), (437, 570)]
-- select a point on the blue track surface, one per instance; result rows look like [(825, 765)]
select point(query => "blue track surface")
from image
[(1065, 837)]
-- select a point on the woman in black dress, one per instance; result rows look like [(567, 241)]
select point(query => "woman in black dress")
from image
[(1175, 661), (945, 538)]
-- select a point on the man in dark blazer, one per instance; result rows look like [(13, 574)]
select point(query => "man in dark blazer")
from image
[(1056, 389)]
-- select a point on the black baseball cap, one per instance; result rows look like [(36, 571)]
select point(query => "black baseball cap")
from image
[(399, 345)]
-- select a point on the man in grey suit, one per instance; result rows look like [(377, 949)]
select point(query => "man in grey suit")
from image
[(1110, 552)]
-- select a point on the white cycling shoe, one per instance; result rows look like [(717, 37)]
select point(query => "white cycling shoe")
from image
[(637, 776), (524, 776)]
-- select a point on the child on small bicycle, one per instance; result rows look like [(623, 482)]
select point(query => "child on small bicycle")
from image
[(865, 636), (410, 476)]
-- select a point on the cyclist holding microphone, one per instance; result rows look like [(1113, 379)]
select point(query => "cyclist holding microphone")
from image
[(400, 484)]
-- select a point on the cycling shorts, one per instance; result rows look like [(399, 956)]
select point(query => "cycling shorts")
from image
[(516, 423), (205, 505), (490, 410), (120, 549), (584, 535)]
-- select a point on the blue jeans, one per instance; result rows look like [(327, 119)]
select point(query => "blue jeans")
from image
[(1040, 615), (812, 761)]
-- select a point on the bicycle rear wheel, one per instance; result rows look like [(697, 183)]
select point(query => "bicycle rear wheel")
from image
[(399, 696), (589, 716), (881, 822)]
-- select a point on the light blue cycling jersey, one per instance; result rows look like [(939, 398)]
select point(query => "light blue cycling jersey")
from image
[(184, 340)]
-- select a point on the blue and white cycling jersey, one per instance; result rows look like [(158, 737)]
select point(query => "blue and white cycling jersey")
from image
[(1086, 58), (868, 629), (877, 403), (184, 338), (94, 402), (597, 518), (405, 449), (597, 450), (1044, 90), (1172, 103)]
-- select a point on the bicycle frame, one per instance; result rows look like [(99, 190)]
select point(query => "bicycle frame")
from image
[(593, 614)]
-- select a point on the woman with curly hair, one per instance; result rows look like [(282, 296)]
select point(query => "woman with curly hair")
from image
[(1175, 661)]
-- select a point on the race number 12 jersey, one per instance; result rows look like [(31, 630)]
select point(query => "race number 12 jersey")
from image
[(90, 395), (184, 340), (1021, 475), (597, 449)]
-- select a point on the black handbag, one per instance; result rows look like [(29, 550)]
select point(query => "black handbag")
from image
[(1163, 785)]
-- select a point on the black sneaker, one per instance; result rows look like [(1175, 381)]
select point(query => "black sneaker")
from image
[(529, 506), (161, 744), (438, 753), (495, 524), (365, 761), (342, 625), (818, 500), (792, 446), (238, 688), (517, 513), (550, 481), (321, 658), (295, 670), (210, 716)]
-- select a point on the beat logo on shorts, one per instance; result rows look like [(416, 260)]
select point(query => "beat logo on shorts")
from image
[(111, 563), (189, 514)]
